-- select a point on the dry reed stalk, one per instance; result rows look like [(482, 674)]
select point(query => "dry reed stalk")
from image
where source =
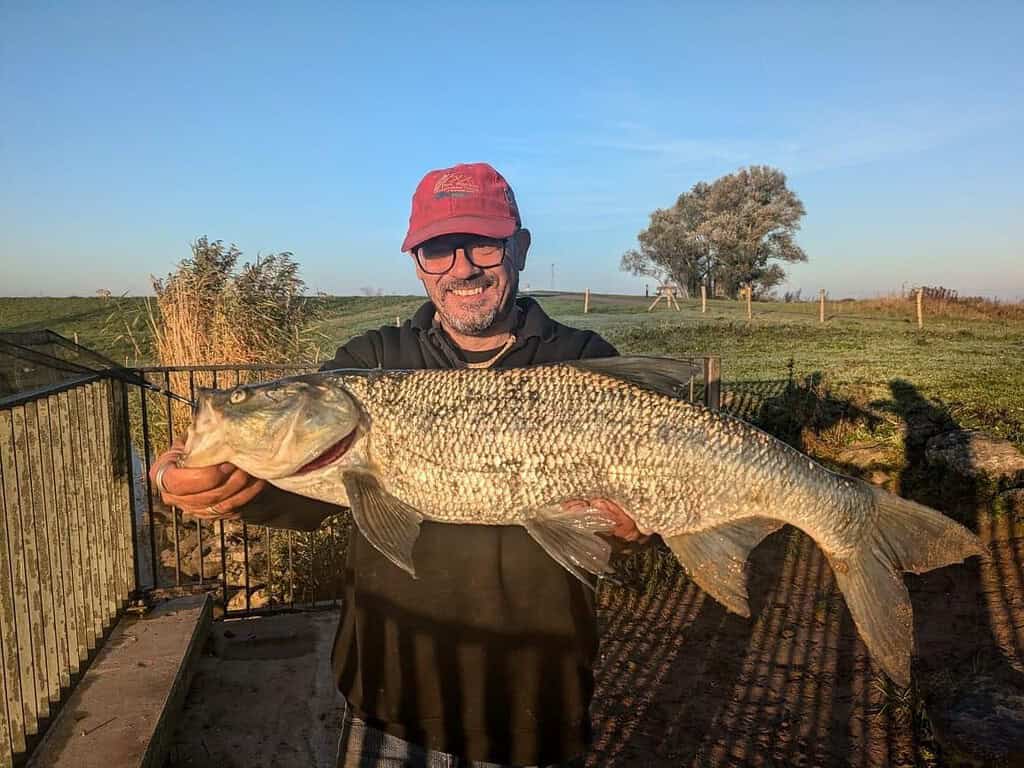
[(207, 314)]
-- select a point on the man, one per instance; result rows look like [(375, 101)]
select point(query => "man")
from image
[(486, 658)]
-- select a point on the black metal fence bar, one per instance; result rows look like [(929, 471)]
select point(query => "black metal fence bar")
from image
[(73, 535), (66, 551)]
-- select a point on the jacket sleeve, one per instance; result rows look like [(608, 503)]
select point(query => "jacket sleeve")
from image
[(595, 346), (365, 351), (281, 509)]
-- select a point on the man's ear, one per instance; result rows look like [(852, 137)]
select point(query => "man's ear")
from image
[(522, 245)]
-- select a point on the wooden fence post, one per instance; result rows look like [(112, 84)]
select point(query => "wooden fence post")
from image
[(398, 321), (703, 299), (713, 382), (821, 305), (750, 293), (920, 308), (586, 301)]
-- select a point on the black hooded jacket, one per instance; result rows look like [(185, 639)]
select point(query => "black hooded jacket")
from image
[(488, 654)]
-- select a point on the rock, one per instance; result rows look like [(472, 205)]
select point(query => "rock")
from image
[(974, 454), (258, 598), (984, 725)]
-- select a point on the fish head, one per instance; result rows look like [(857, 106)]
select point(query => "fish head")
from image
[(276, 429)]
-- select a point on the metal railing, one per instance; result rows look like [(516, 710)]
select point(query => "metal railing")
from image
[(252, 568), (255, 568), (82, 530), (66, 544)]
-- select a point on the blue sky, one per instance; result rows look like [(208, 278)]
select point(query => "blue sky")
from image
[(127, 130)]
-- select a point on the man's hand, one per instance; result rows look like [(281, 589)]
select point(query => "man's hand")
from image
[(208, 493), (624, 528)]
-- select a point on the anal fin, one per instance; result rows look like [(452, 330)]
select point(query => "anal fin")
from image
[(388, 523), (570, 537), (716, 558)]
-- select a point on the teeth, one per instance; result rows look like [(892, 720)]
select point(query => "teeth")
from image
[(468, 292)]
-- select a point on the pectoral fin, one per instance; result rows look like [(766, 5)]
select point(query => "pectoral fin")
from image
[(571, 539), (716, 558), (388, 523)]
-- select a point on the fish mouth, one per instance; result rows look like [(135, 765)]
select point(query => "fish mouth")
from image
[(329, 456)]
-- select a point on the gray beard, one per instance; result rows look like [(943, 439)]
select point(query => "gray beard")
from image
[(477, 325), (471, 326)]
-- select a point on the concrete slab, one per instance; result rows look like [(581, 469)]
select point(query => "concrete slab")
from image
[(123, 711), (263, 696)]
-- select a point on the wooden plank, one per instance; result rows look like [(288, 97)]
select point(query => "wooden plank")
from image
[(13, 737), (118, 493), (101, 475), (19, 584), (48, 613), (78, 647), (86, 461), (117, 498), (713, 382), (131, 516), (120, 477), (6, 751), (112, 512), (30, 548), (134, 513), (63, 592)]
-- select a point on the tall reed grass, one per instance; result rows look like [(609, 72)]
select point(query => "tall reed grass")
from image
[(211, 311)]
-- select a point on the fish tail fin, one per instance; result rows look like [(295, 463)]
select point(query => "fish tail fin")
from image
[(904, 537)]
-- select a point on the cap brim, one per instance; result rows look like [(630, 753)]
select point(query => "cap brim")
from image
[(473, 225)]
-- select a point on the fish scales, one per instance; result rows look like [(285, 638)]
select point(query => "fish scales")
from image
[(510, 446), (567, 433)]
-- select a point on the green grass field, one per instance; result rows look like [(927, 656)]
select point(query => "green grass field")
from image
[(972, 369)]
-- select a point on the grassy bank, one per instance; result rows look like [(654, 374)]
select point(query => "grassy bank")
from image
[(968, 366)]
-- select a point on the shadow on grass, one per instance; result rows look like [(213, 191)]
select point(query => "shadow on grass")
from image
[(681, 682)]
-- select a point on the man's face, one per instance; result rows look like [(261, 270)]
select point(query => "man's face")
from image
[(470, 299)]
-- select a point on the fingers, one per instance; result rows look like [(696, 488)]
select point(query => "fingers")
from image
[(243, 497), (189, 481), (227, 509), (625, 527), (225, 488)]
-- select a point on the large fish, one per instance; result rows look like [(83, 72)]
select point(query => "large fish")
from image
[(508, 446)]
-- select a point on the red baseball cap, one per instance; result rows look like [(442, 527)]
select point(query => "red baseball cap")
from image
[(471, 197)]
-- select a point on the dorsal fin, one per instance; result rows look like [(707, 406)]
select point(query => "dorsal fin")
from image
[(658, 374)]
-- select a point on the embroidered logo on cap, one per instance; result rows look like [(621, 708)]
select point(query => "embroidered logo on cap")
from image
[(455, 185)]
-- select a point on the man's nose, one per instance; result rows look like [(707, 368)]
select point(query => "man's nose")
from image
[(463, 267)]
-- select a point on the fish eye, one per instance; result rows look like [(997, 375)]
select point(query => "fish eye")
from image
[(237, 396)]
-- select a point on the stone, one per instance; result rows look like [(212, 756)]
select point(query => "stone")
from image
[(984, 725), (258, 598), (974, 454)]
